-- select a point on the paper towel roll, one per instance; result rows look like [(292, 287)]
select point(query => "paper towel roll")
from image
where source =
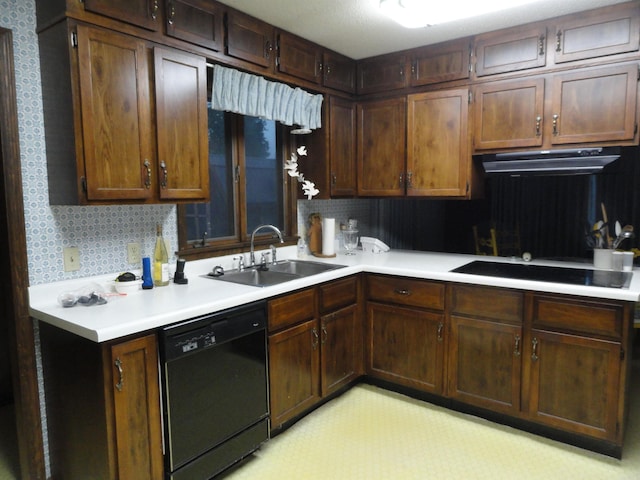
[(328, 236)]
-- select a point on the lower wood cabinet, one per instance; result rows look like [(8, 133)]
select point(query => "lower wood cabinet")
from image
[(103, 406), (315, 346)]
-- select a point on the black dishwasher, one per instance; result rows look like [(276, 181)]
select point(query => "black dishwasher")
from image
[(214, 391)]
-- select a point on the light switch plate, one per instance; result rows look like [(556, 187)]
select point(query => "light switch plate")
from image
[(133, 253), (71, 259)]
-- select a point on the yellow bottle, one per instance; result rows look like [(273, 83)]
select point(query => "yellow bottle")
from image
[(160, 260)]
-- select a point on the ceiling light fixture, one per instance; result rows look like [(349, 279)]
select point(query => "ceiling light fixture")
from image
[(422, 13)]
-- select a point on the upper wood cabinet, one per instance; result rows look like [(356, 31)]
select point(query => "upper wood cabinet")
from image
[(181, 119), (250, 39), (379, 74), (100, 125), (299, 58), (438, 150), (381, 147), (609, 31), (143, 13), (508, 114), (196, 21), (339, 72), (510, 50), (440, 63), (342, 147)]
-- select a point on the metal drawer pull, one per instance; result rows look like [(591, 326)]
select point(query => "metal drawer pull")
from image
[(402, 291), (120, 384), (534, 354), (555, 123), (440, 329), (516, 352), (147, 181), (163, 166)]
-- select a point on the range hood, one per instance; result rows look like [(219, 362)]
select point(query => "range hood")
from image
[(550, 162)]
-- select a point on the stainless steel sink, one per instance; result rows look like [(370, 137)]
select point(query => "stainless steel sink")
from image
[(281, 272)]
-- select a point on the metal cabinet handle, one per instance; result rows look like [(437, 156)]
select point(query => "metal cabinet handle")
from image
[(314, 342), (120, 384), (516, 351), (268, 48), (555, 123), (538, 125), (409, 177), (403, 291), (534, 354), (325, 334), (163, 167), (401, 180), (172, 13), (147, 180), (440, 330), (541, 45), (334, 179), (154, 9), (559, 41)]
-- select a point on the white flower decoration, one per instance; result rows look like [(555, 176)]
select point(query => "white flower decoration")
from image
[(291, 167), (309, 189), (302, 150)]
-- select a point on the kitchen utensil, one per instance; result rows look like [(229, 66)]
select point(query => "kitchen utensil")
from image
[(626, 232), (618, 228), (606, 239)]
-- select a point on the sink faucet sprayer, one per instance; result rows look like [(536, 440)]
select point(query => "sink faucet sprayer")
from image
[(252, 256)]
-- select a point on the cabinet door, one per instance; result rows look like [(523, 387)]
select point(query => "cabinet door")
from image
[(485, 364), (342, 146), (440, 63), (294, 369), (299, 58), (438, 154), (116, 115), (195, 21), (511, 50), (508, 114), (181, 111), (574, 383), (382, 73), (405, 346), (250, 39), (381, 147), (598, 33), (143, 13), (132, 367), (594, 105), (341, 339), (339, 72)]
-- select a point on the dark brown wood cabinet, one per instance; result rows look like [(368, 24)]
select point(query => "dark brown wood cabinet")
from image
[(143, 13), (485, 347), (339, 72), (583, 344), (250, 39), (383, 73), (104, 138), (611, 31), (315, 346), (405, 332), (519, 48), (342, 147), (586, 106), (440, 63), (196, 21), (299, 57), (381, 150), (438, 150), (103, 406)]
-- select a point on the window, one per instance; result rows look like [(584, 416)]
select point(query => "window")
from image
[(248, 186)]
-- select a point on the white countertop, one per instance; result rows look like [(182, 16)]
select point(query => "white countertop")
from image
[(148, 309)]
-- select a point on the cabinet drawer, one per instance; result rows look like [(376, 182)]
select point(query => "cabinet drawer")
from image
[(338, 294), (405, 291), (291, 309), (579, 315), (487, 302)]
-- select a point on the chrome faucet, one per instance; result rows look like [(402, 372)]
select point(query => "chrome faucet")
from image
[(252, 256)]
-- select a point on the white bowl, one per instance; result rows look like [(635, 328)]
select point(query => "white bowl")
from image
[(127, 287)]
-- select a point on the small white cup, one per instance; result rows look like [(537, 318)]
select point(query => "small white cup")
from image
[(603, 258), (627, 261), (617, 261)]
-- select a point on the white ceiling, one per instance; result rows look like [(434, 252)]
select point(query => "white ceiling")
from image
[(357, 29)]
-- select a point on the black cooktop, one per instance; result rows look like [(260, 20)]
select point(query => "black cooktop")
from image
[(542, 273)]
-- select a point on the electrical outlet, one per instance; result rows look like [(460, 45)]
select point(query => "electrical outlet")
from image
[(133, 253), (71, 259)]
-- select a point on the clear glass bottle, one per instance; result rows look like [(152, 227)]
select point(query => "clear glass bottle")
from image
[(160, 260)]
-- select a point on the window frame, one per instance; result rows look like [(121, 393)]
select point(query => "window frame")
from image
[(241, 241)]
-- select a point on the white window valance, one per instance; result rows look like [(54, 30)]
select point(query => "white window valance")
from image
[(248, 94)]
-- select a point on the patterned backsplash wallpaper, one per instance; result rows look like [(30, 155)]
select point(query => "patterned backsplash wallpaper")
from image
[(101, 233)]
